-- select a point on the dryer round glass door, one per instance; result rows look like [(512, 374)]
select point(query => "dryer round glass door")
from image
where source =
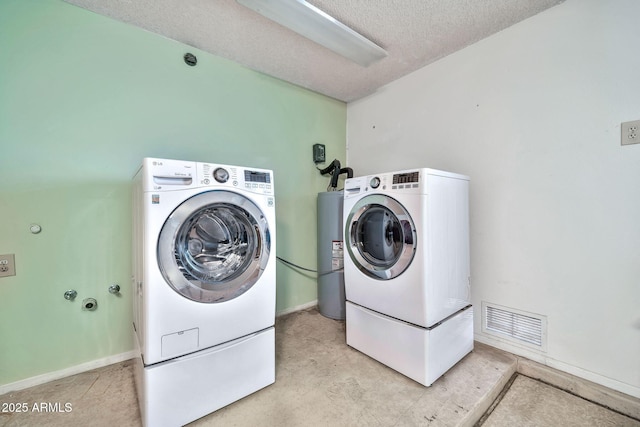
[(214, 246), (380, 236)]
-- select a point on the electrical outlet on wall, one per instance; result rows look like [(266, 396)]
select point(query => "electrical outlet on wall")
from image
[(630, 132), (7, 265)]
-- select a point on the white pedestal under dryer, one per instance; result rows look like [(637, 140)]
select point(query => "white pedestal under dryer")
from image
[(406, 270), (203, 287)]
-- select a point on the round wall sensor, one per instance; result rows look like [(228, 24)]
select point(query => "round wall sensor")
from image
[(35, 228), (190, 59)]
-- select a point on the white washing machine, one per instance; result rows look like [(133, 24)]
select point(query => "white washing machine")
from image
[(204, 287), (406, 270)]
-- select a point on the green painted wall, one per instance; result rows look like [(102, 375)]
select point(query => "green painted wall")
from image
[(82, 100)]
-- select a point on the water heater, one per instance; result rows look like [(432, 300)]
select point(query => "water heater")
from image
[(331, 297)]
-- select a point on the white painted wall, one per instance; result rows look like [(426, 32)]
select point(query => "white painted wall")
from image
[(532, 115)]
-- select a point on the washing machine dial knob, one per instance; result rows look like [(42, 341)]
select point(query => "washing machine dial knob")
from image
[(221, 175), (375, 182)]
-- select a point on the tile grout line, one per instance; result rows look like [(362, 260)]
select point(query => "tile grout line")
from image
[(577, 395), (497, 400), (90, 387), (545, 374)]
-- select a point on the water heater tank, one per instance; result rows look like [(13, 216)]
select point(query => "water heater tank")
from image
[(331, 297)]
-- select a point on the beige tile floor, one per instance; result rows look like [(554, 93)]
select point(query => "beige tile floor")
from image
[(320, 381), (532, 403)]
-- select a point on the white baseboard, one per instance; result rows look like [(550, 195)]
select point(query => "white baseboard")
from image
[(613, 384), (67, 372), (94, 364), (297, 308), (543, 359)]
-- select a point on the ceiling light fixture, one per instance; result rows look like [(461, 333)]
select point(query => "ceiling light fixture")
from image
[(312, 23)]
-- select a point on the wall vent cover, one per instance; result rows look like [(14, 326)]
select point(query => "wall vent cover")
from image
[(516, 325)]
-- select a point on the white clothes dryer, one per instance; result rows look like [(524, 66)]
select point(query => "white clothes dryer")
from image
[(204, 286), (407, 270)]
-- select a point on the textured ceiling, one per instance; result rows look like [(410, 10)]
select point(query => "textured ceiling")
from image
[(413, 32)]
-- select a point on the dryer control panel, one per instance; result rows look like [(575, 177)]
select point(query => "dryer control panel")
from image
[(406, 181), (412, 181)]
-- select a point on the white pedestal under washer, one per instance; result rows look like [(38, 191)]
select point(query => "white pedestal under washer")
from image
[(204, 286), (407, 269)]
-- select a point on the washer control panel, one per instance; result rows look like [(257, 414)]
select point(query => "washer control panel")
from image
[(254, 180)]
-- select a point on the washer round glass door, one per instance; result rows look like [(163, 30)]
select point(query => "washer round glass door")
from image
[(214, 246), (380, 236)]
